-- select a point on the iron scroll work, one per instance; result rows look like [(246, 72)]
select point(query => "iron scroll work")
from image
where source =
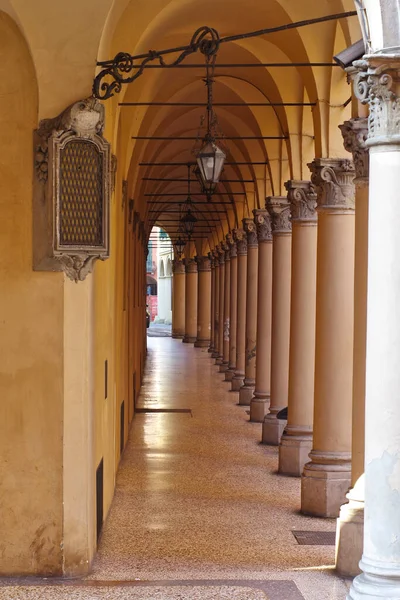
[(73, 169), (124, 68)]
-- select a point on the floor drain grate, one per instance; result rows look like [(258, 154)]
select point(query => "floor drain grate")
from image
[(164, 410), (315, 538)]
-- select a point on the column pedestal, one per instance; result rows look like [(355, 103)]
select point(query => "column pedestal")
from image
[(294, 451), (247, 390), (279, 209)]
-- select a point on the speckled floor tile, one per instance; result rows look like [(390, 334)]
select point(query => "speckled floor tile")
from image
[(199, 498)]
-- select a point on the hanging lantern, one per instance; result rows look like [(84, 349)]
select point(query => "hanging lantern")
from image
[(180, 247), (188, 221), (210, 160), (206, 189)]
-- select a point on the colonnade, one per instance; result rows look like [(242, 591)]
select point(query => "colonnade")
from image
[(287, 322)]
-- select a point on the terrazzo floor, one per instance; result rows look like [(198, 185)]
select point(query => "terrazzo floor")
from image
[(199, 510)]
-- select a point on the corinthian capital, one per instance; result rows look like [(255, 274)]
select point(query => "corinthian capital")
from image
[(203, 263), (251, 231), (302, 197), (232, 244), (355, 133), (221, 253), (263, 223), (279, 209), (239, 235), (377, 83), (333, 179), (178, 267), (190, 265)]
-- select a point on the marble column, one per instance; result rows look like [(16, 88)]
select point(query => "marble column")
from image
[(212, 331), (190, 301), (350, 525), (326, 478), (241, 244), (233, 311), (247, 390), (279, 209), (227, 302), (260, 401), (296, 441), (378, 83), (203, 302), (215, 353), (221, 260), (178, 299)]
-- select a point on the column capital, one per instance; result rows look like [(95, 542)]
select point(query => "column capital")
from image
[(212, 260), (333, 179), (239, 235), (262, 219), (302, 196), (228, 245), (232, 244), (251, 232), (178, 267), (203, 263), (355, 133), (279, 209), (190, 265), (220, 249), (377, 83)]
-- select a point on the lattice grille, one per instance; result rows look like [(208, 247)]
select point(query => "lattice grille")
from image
[(81, 198)]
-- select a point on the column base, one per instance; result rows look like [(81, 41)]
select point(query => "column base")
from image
[(237, 382), (201, 343), (246, 393), (380, 582), (223, 367), (219, 360), (258, 408), (324, 483), (272, 430), (189, 340), (293, 452), (230, 374), (350, 532), (211, 349), (178, 336), (215, 354)]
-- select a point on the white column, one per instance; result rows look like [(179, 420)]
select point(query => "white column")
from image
[(379, 84)]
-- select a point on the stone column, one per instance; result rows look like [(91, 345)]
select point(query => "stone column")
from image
[(212, 331), (178, 302), (350, 526), (216, 304), (233, 312), (279, 209), (326, 478), (221, 260), (296, 441), (227, 301), (379, 84), (260, 401), (190, 302), (203, 302), (241, 244), (247, 390)]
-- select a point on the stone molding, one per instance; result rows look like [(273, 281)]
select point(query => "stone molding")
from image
[(239, 235), (333, 179), (263, 222), (251, 232), (377, 83), (178, 267), (355, 133), (279, 209), (203, 264), (190, 265), (302, 197)]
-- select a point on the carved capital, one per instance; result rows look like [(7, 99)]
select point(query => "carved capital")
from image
[(190, 265), (228, 245), (251, 232), (240, 237), (302, 197), (377, 83), (262, 219), (220, 248), (333, 179), (203, 263), (211, 257), (178, 267), (355, 133), (232, 244), (279, 209)]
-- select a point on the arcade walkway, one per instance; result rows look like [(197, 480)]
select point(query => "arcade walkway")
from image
[(198, 499)]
